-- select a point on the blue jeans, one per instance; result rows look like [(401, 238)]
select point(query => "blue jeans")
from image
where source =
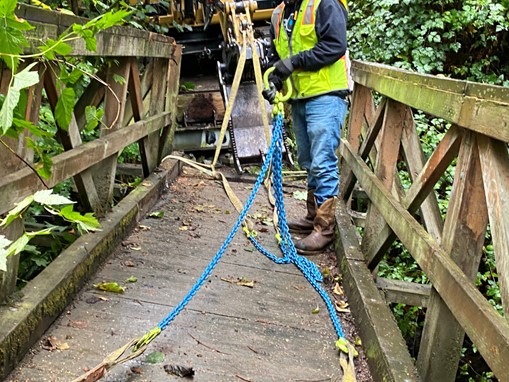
[(317, 126)]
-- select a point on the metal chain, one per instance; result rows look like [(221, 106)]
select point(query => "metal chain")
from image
[(308, 268)]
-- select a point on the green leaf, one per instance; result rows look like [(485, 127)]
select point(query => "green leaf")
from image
[(47, 49), (155, 357), (91, 117), (156, 214), (131, 279), (18, 245), (113, 18), (45, 165), (64, 108), (7, 8), (18, 24), (90, 40), (47, 197), (34, 130), (62, 48), (17, 211), (22, 80), (110, 287), (4, 243), (118, 79), (26, 78), (77, 28), (71, 78), (46, 231), (7, 110), (12, 42), (85, 223)]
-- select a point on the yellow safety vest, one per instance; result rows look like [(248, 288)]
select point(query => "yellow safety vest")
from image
[(308, 83)]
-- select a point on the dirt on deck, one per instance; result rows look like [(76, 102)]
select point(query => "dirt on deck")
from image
[(252, 320)]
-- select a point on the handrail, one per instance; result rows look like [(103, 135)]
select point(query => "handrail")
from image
[(382, 143)]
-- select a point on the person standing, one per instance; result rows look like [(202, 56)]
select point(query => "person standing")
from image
[(308, 45)]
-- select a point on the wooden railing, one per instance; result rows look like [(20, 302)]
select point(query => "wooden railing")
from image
[(382, 145), (139, 109)]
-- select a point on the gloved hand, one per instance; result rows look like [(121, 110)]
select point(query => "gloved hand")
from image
[(276, 81), (283, 69), (270, 93)]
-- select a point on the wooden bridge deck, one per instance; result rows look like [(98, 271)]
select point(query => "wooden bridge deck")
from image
[(227, 333)]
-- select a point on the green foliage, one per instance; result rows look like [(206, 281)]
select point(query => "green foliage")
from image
[(13, 104), (64, 108), (20, 81), (130, 154), (467, 39), (12, 40), (56, 205)]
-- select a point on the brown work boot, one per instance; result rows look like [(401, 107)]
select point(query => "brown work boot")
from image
[(305, 224), (323, 230)]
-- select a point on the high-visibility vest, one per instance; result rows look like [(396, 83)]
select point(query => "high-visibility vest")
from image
[(308, 83)]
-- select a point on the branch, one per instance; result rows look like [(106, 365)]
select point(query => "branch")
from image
[(24, 161)]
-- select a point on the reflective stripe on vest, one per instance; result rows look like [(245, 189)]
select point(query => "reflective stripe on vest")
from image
[(308, 84)]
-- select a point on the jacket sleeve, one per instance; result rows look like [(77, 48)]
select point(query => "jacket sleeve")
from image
[(272, 54), (330, 26)]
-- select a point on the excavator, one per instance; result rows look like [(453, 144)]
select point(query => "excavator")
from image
[(218, 36)]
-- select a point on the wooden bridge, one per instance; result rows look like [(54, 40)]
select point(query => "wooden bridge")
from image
[(381, 147)]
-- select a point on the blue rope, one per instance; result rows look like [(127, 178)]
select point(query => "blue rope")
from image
[(308, 268)]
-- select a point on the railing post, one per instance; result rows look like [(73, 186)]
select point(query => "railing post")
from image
[(385, 169), (172, 90), (10, 163), (114, 106), (463, 237)]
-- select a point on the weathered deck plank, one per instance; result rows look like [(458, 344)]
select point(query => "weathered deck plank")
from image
[(227, 332)]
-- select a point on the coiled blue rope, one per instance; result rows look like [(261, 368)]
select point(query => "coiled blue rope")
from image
[(308, 268)]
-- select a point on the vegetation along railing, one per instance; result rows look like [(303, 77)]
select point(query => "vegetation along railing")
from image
[(440, 194), (96, 103)]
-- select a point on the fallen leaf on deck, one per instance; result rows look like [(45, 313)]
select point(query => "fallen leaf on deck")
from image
[(144, 227), (156, 214), (53, 343), (338, 290), (342, 304), (77, 324), (239, 281), (316, 310), (325, 272), (183, 228), (340, 309), (131, 279), (155, 357), (357, 341), (110, 287), (300, 195), (180, 371), (129, 263)]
